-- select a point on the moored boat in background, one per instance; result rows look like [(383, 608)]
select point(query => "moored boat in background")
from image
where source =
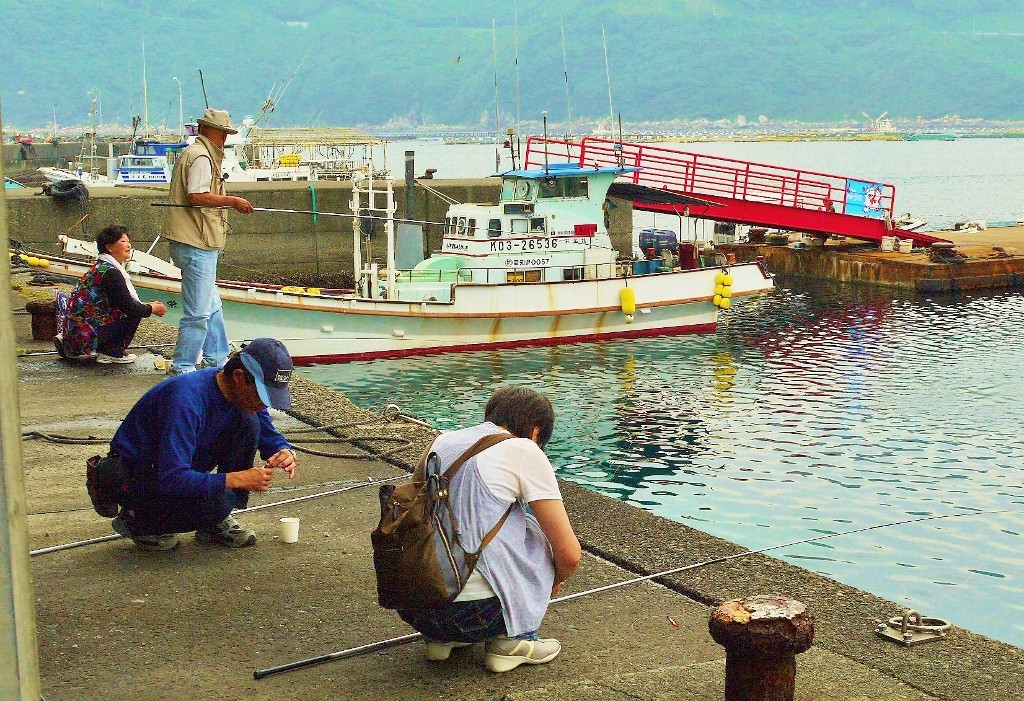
[(537, 268)]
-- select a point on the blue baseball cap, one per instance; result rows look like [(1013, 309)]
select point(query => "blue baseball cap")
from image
[(267, 360)]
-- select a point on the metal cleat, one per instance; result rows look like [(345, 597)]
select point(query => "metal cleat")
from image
[(912, 629)]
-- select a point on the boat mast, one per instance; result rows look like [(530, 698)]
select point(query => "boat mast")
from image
[(565, 71), (608, 78), (145, 98), (515, 41), (497, 123)]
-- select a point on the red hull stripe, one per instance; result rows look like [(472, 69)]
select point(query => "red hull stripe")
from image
[(582, 338)]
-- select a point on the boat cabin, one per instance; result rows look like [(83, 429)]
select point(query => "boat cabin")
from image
[(548, 225)]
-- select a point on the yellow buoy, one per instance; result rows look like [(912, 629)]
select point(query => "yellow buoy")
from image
[(726, 291), (717, 301), (43, 263), (628, 300), (313, 290), (720, 279), (726, 279), (718, 289), (32, 260), (725, 303)]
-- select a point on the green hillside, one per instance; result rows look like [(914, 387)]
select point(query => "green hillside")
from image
[(405, 63)]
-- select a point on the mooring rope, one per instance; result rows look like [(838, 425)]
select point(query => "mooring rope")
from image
[(390, 414)]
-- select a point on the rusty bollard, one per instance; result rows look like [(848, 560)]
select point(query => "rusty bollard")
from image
[(762, 635)]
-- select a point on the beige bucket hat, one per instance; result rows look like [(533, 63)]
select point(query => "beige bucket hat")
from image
[(218, 119)]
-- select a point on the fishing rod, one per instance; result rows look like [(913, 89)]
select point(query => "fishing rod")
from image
[(145, 346), (391, 642), (305, 497), (301, 211)]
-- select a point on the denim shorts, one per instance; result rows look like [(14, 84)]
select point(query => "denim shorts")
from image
[(460, 621)]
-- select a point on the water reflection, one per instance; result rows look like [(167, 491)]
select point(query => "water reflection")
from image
[(815, 409)]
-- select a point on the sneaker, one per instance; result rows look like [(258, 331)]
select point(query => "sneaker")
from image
[(504, 654), (104, 358), (122, 525), (439, 650), (228, 533)]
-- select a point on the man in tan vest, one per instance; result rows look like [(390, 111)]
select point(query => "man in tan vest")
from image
[(197, 233)]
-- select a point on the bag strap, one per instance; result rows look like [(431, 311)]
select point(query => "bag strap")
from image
[(493, 532), (478, 447)]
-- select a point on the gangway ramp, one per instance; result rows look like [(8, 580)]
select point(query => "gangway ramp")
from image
[(741, 192)]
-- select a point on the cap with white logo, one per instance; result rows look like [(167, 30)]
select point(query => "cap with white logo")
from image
[(269, 363)]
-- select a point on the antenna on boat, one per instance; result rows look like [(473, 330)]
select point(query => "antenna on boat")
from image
[(565, 72), (618, 146), (497, 123), (608, 79), (515, 41), (544, 116)]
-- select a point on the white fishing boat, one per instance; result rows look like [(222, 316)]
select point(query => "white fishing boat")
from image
[(537, 268), (149, 163)]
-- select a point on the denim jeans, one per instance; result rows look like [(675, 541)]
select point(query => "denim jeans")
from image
[(201, 332), (462, 621)]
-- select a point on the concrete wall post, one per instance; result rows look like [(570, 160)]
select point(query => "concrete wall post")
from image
[(19, 656)]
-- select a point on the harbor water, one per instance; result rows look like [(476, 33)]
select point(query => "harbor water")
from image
[(815, 409)]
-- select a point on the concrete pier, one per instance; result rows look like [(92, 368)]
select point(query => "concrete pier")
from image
[(989, 259)]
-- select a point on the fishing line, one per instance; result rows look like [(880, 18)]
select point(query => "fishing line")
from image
[(302, 211), (382, 644), (144, 346), (293, 500)]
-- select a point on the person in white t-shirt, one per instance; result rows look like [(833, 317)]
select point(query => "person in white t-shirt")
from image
[(532, 555)]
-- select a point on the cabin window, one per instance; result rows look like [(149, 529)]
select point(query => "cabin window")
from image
[(537, 225), (462, 227), (471, 230), (523, 276), (508, 188), (563, 187), (494, 228), (549, 187), (520, 226), (576, 187), (449, 226)]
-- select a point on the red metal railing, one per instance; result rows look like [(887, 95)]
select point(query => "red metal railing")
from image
[(742, 192), (701, 174)]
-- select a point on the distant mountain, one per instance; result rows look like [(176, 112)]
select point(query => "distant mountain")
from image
[(404, 64)]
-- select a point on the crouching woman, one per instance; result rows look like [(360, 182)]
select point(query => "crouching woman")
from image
[(532, 555), (104, 311)]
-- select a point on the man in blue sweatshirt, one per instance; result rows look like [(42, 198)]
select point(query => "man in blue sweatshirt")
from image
[(190, 425)]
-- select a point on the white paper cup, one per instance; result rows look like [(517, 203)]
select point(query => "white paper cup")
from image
[(289, 530)]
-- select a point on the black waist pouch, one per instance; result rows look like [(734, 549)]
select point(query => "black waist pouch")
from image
[(104, 480)]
